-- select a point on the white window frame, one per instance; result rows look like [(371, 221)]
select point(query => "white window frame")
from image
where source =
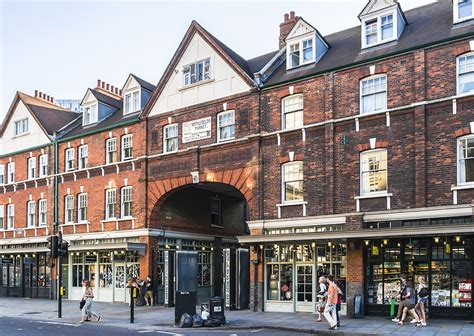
[(458, 61), (10, 172), (126, 196), (10, 216), (462, 182), (90, 114), (110, 147), (69, 209), (231, 125), (43, 165), (135, 104), (22, 127), (2, 217), (31, 214), (82, 156), (456, 18), (42, 212), (188, 75), (69, 159), (31, 168), (283, 182), (2, 174), (361, 95), (127, 142), (300, 43), (82, 204), (166, 137), (284, 112), (362, 171), (110, 199), (378, 17)]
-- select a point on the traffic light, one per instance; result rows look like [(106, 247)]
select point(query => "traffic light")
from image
[(53, 246), (63, 248)]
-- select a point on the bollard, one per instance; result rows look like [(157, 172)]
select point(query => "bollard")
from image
[(132, 303)]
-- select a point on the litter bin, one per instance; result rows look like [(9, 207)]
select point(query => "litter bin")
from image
[(216, 305)]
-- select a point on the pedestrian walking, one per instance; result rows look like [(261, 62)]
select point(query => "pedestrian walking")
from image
[(410, 298), (423, 293), (88, 297), (401, 293), (149, 291), (330, 309), (321, 297), (338, 305)]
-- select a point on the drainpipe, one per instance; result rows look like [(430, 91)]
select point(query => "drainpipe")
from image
[(56, 171)]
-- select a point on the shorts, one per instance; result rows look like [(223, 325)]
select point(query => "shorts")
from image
[(410, 306), (149, 294), (423, 300)]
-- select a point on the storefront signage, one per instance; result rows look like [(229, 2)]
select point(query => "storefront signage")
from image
[(227, 277), (91, 258), (7, 261), (197, 130), (28, 261)]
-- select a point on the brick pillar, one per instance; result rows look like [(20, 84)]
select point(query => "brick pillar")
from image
[(256, 266), (147, 262), (354, 263)]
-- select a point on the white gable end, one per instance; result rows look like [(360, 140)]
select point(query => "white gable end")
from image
[(377, 5), (224, 81), (34, 137), (300, 29), (88, 99), (130, 84)]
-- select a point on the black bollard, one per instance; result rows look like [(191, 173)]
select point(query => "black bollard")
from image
[(132, 304)]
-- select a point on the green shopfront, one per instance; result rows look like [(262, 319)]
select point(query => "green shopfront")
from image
[(445, 263)]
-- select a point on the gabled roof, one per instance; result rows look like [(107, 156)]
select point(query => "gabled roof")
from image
[(103, 98), (375, 5), (49, 116), (143, 83), (305, 25), (235, 61), (429, 24)]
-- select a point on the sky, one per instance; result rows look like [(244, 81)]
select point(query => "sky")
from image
[(62, 47)]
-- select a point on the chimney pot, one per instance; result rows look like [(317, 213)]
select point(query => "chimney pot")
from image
[(52, 100), (98, 83), (112, 88), (286, 17), (116, 91), (107, 86), (47, 97), (40, 94), (120, 92), (292, 15), (102, 85), (36, 93)]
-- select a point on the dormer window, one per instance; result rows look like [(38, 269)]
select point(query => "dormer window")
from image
[(463, 10), (197, 72), (301, 52), (379, 30), (382, 21), (132, 102), (89, 115)]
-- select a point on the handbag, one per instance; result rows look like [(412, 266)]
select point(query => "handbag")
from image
[(423, 292), (81, 304)]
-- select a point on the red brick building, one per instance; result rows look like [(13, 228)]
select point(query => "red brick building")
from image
[(348, 154)]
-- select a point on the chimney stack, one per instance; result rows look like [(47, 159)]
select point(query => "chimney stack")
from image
[(44, 97), (108, 89), (289, 21)]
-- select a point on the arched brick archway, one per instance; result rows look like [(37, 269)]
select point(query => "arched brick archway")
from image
[(242, 179)]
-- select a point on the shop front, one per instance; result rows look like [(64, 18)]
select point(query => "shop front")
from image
[(444, 262), (292, 271), (25, 275)]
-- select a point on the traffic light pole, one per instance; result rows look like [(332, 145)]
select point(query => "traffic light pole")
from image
[(60, 276)]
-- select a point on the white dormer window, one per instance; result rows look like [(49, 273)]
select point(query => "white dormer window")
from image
[(132, 102), (21, 127), (301, 52), (90, 115), (197, 72), (379, 30), (463, 10)]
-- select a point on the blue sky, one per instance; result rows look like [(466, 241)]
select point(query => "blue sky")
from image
[(62, 47)]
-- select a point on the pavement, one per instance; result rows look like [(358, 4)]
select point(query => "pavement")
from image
[(160, 319)]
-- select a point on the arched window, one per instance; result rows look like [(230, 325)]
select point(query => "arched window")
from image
[(373, 171), (292, 181), (292, 111), (465, 72), (373, 94)]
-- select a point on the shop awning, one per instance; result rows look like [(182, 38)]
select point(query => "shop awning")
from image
[(18, 250), (137, 247), (362, 234)]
